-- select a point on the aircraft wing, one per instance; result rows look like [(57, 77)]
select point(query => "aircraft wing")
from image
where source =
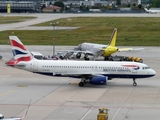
[(84, 52), (99, 53), (68, 53), (83, 74), (129, 49), (77, 51)]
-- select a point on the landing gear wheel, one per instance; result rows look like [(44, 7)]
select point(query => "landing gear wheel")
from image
[(78, 55), (134, 84), (105, 58), (86, 57), (81, 84)]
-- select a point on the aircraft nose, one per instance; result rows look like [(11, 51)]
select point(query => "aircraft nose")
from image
[(153, 72)]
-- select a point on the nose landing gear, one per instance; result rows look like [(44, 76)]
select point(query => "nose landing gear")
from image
[(134, 82)]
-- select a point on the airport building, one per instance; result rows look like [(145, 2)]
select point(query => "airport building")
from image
[(19, 6), (136, 1)]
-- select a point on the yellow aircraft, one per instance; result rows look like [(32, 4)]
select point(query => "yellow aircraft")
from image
[(96, 50)]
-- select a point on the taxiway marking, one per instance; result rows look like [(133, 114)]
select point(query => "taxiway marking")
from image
[(87, 113), (116, 113), (8, 92)]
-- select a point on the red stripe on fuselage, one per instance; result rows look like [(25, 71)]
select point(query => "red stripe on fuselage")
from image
[(130, 65)]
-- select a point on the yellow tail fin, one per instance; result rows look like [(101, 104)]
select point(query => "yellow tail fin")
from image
[(113, 38)]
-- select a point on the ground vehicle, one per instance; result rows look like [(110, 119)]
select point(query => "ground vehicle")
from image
[(103, 114), (124, 58)]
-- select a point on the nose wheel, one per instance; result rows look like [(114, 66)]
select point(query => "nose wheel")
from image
[(134, 82)]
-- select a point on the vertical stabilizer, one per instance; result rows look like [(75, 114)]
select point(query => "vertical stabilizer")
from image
[(111, 48), (19, 51), (113, 38), (146, 9)]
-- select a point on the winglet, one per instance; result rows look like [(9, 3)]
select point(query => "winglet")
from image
[(113, 38)]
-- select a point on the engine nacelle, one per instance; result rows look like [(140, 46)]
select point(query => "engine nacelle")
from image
[(1, 116), (98, 80), (76, 55)]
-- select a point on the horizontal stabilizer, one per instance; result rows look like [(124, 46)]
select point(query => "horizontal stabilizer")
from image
[(130, 49)]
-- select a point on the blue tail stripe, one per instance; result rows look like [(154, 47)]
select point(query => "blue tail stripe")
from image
[(17, 52)]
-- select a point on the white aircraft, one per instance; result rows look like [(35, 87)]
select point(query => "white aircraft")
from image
[(93, 72), (96, 50), (2, 118), (152, 11)]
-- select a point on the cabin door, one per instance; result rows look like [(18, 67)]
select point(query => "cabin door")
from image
[(35, 66)]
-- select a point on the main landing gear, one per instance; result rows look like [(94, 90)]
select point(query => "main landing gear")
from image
[(86, 57), (85, 81), (78, 55), (134, 82), (82, 83)]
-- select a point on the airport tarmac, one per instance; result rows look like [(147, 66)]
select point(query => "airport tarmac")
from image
[(60, 98)]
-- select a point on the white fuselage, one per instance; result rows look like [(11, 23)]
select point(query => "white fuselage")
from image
[(79, 68), (93, 48), (152, 11)]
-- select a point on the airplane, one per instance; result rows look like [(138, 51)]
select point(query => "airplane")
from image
[(16, 118), (2, 118), (96, 50), (152, 11), (92, 72)]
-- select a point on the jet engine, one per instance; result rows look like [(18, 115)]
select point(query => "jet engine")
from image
[(98, 80), (76, 55), (1, 116)]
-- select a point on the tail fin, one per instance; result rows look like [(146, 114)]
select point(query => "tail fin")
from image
[(146, 9), (19, 51), (113, 38), (110, 49)]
